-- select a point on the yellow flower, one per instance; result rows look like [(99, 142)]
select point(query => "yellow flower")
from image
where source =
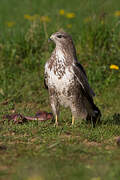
[(10, 23), (31, 18), (27, 16), (70, 15), (69, 25), (113, 66), (88, 19), (117, 13), (45, 19), (96, 178), (61, 12)]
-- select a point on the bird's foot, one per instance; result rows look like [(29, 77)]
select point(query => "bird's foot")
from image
[(56, 121), (73, 120)]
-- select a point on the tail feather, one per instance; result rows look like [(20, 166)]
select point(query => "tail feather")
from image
[(93, 111), (95, 116)]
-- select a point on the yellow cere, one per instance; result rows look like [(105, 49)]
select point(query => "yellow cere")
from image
[(117, 13), (113, 66), (10, 23), (61, 12), (70, 15)]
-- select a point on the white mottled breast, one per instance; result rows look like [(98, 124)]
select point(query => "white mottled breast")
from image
[(62, 83), (60, 55), (59, 83)]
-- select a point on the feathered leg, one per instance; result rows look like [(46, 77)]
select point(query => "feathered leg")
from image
[(55, 109), (78, 112)]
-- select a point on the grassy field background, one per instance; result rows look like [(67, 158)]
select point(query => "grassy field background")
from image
[(39, 151)]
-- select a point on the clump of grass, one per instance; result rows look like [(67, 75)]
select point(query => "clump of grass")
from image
[(35, 37), (100, 40)]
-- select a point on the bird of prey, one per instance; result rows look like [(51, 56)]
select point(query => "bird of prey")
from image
[(67, 83)]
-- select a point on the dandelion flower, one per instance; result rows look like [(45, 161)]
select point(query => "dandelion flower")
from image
[(61, 12), (45, 19), (31, 18), (70, 15), (113, 66), (117, 13), (88, 19), (27, 16), (96, 178), (10, 23), (69, 25)]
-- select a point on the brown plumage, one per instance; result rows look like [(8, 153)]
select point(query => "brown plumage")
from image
[(67, 81)]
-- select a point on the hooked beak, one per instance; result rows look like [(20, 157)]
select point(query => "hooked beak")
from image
[(49, 39)]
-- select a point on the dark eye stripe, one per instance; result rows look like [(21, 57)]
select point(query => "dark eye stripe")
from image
[(59, 36)]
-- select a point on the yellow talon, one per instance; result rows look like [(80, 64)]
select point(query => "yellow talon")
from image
[(56, 120), (73, 120)]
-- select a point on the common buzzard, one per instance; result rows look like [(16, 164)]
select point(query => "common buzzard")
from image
[(67, 81)]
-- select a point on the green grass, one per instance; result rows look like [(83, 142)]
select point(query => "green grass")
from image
[(38, 150)]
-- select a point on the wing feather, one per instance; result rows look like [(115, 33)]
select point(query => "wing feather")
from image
[(45, 84), (81, 76), (45, 78)]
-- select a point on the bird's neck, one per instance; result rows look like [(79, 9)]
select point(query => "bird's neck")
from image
[(60, 55), (67, 55)]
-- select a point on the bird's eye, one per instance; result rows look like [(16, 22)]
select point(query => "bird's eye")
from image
[(59, 36)]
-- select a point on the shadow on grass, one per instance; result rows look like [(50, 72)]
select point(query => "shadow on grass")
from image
[(114, 119)]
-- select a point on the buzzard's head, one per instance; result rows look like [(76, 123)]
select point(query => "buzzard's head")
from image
[(61, 39)]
